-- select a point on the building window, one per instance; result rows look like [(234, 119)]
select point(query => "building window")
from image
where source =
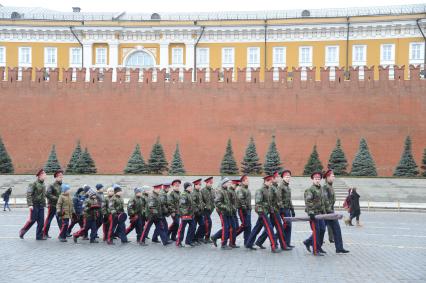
[(305, 56), (177, 56), (332, 56), (416, 53), (24, 57), (227, 57), (253, 57), (101, 56), (279, 57), (2, 56), (203, 57), (50, 57), (359, 56), (387, 54), (75, 57)]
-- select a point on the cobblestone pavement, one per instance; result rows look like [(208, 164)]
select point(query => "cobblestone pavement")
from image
[(390, 247)]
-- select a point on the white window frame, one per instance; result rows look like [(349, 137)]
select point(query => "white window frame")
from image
[(72, 63), (332, 62), (416, 61), (99, 60), (359, 61), (279, 63), (302, 61), (2, 56), (228, 63), (387, 60), (177, 61), (205, 63), (53, 63), (23, 63), (253, 57)]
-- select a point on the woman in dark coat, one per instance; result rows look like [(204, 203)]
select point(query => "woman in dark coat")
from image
[(6, 197), (355, 207)]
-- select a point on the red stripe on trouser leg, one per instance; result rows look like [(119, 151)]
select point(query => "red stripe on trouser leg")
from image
[(280, 231), (62, 228), (178, 234), (105, 231), (46, 221), (144, 231), (268, 230), (223, 228), (25, 228), (314, 236), (206, 226), (243, 221), (110, 228), (82, 230)]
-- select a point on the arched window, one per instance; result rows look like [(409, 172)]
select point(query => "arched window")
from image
[(140, 59)]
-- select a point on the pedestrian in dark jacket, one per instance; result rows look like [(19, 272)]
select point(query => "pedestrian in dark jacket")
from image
[(77, 216), (355, 207), (6, 197)]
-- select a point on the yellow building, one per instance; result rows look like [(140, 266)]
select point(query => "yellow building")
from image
[(38, 37)]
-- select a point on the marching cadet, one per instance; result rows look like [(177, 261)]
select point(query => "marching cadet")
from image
[(91, 213), (154, 217), (119, 217), (101, 199), (64, 210), (244, 208), (77, 216), (234, 220), (52, 195), (287, 209), (186, 212), (208, 199), (135, 209), (223, 208), (36, 201), (330, 201), (106, 214), (173, 199), (274, 216), (314, 205), (164, 211), (197, 199), (262, 208)]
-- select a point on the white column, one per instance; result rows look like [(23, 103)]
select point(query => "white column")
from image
[(164, 55), (189, 60), (87, 58), (113, 59)]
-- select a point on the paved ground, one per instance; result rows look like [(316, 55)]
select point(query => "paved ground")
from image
[(391, 247)]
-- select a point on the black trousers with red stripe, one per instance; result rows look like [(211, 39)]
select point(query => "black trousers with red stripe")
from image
[(174, 227), (245, 218), (74, 220), (207, 224), (278, 225), (181, 231), (51, 212), (137, 222), (262, 222), (64, 228), (36, 215), (89, 224), (223, 234)]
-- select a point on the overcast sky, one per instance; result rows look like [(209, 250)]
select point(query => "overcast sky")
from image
[(150, 6)]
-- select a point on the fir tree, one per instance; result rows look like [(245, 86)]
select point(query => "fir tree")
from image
[(337, 161), (85, 164), (407, 165), (229, 165), (52, 164), (6, 165), (157, 163), (136, 164), (176, 167), (314, 163), (74, 158), (363, 163), (250, 163), (424, 163), (272, 159)]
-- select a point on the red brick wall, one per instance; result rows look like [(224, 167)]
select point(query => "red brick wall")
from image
[(110, 118)]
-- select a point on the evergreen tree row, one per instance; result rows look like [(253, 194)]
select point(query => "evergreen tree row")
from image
[(363, 164)]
